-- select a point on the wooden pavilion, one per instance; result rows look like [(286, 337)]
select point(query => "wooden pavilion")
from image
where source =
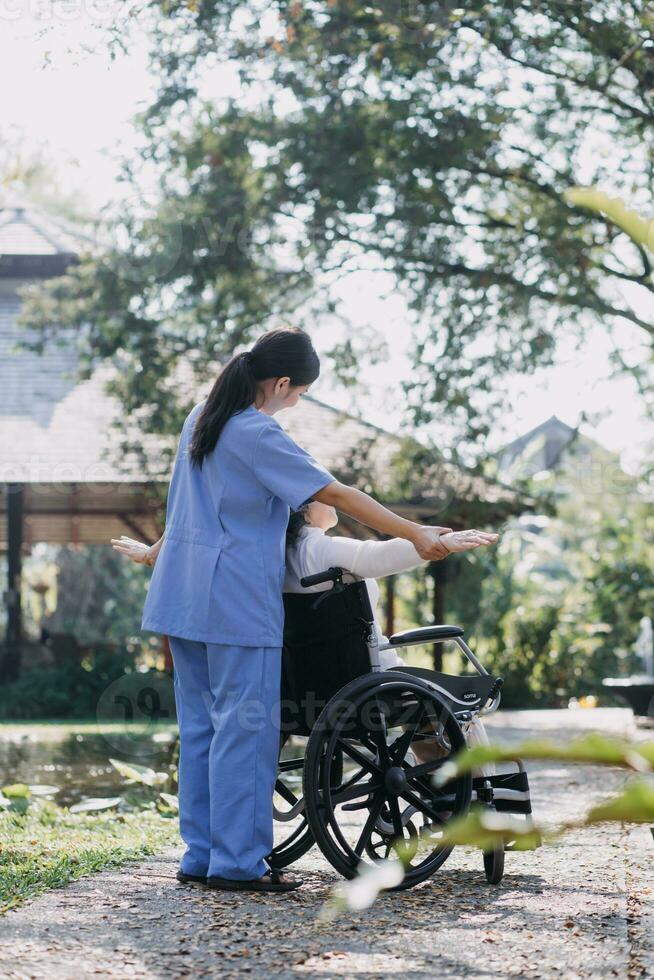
[(63, 475)]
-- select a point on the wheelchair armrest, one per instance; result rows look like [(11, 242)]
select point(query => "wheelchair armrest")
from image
[(426, 634)]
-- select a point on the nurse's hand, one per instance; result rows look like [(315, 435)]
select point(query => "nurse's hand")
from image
[(428, 544), (136, 551)]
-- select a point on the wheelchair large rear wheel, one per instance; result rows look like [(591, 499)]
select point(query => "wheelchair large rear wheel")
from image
[(385, 803)]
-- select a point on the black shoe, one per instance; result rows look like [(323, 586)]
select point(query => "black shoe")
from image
[(191, 879), (271, 883)]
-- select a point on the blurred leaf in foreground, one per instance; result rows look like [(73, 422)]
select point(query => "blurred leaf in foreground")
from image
[(592, 748), (488, 829), (634, 805), (361, 892), (640, 230)]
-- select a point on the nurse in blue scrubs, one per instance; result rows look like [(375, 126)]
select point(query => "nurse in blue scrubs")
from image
[(216, 591)]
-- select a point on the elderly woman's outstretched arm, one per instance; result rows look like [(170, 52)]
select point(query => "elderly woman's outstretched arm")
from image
[(367, 559), (138, 551)]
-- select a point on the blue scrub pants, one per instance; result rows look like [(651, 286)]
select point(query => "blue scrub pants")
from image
[(228, 704)]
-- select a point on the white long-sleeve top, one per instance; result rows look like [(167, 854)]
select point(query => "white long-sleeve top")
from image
[(314, 551)]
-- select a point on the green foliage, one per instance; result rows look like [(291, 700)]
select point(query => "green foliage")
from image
[(634, 805), (561, 599), (374, 137), (527, 660), (148, 783), (99, 594), (15, 797), (69, 691), (135, 773), (487, 829), (592, 748)]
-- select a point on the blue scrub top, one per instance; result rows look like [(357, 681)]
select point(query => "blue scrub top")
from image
[(219, 575)]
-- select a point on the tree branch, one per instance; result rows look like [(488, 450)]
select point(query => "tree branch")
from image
[(631, 110)]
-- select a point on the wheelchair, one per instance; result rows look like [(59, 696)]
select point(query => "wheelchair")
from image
[(363, 788)]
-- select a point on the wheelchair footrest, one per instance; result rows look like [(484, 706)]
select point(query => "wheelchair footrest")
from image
[(508, 792)]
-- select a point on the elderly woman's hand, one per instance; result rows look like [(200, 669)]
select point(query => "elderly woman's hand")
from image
[(467, 540), (136, 551)]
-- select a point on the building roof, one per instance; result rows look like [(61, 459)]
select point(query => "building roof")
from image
[(34, 243), (549, 447), (541, 447)]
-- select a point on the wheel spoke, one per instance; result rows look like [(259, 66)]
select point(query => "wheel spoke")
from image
[(286, 765), (285, 792), (354, 792), (293, 837), (369, 825), (350, 781), (421, 805), (404, 741), (437, 798), (359, 758), (379, 737), (398, 829), (415, 772)]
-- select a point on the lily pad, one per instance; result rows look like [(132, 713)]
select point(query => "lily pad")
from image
[(139, 774), (96, 804)]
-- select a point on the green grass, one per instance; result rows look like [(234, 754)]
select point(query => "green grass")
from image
[(48, 847)]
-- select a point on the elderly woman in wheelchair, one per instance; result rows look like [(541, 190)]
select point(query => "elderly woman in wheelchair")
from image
[(376, 730)]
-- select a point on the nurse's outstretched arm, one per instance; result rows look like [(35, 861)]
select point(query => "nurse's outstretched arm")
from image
[(293, 474), (365, 509)]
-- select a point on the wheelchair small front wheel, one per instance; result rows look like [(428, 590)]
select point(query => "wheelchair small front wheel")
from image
[(385, 804), (494, 865)]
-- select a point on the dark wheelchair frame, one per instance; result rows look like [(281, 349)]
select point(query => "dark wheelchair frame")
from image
[(361, 721)]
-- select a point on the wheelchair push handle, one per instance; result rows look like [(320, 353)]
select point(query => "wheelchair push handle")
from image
[(333, 574)]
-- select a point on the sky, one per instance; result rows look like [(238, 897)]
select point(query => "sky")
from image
[(70, 99)]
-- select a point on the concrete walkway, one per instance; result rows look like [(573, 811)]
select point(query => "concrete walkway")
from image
[(581, 908)]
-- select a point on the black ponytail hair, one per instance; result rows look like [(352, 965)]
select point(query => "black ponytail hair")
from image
[(296, 521), (285, 352)]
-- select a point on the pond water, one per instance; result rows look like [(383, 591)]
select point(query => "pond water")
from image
[(76, 760)]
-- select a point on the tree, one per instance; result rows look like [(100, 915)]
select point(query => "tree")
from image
[(561, 600), (430, 141)]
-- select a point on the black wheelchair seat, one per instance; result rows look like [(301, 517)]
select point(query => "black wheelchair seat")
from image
[(325, 647), (460, 691)]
